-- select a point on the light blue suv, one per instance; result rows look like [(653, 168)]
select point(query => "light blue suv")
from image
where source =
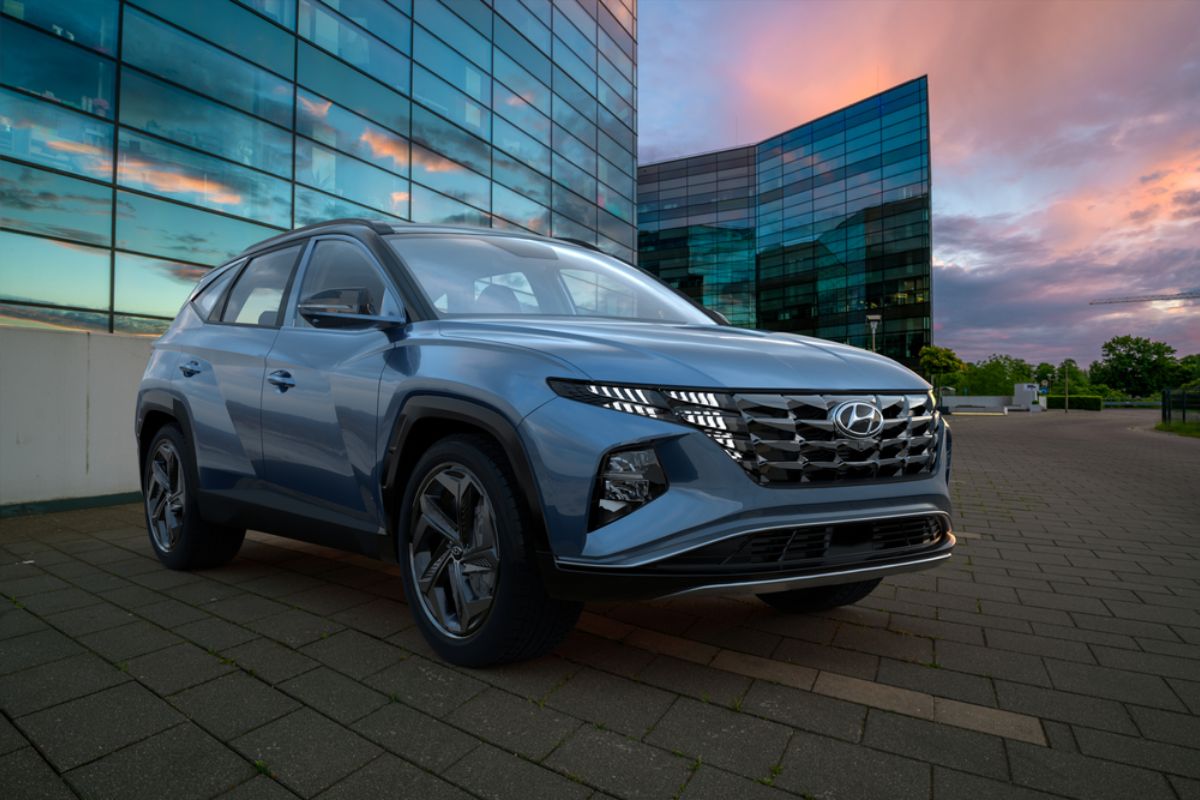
[(525, 423)]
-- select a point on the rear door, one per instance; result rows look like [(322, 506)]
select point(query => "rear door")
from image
[(221, 371), (320, 404)]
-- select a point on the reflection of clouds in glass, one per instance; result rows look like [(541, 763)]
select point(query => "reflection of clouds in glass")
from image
[(383, 146), (398, 199), (314, 107), (168, 180)]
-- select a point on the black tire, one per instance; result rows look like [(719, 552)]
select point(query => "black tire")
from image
[(466, 475), (187, 541), (819, 598)]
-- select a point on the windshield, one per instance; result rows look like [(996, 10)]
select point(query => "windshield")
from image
[(465, 275)]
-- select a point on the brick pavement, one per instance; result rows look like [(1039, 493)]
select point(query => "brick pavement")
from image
[(1058, 654)]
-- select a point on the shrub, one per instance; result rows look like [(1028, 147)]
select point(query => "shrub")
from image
[(1081, 402)]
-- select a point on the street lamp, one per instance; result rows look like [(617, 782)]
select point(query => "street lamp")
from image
[(873, 320)]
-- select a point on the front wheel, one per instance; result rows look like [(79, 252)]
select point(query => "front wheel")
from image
[(819, 598), (469, 582), (180, 538)]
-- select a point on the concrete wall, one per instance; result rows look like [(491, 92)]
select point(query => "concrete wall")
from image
[(980, 402), (66, 414)]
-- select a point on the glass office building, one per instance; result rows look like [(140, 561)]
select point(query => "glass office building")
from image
[(143, 142), (809, 231)]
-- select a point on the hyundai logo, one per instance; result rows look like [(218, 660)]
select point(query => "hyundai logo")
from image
[(857, 419)]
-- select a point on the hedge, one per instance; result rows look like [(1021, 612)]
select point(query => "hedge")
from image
[(1082, 402)]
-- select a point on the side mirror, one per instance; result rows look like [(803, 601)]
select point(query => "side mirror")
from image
[(345, 308)]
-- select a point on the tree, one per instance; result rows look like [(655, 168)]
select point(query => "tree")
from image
[(1069, 374), (1135, 365), (937, 362), (1188, 371), (996, 374), (1044, 372)]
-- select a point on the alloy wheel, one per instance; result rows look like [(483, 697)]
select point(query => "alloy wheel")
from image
[(454, 552), (165, 496)]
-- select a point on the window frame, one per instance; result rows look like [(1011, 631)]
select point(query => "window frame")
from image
[(292, 295)]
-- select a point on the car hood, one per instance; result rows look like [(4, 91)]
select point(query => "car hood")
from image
[(713, 356)]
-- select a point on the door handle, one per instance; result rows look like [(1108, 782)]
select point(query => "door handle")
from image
[(190, 368), (281, 379)]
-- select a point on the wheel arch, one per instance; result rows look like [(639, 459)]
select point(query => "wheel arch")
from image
[(157, 408), (427, 418)]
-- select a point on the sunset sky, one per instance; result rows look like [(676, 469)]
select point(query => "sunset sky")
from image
[(1065, 143)]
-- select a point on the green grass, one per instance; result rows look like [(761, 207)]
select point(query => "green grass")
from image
[(1180, 428)]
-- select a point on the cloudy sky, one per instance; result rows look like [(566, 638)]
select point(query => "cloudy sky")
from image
[(1066, 143)]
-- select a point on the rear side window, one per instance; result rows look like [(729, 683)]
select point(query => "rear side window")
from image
[(257, 297)]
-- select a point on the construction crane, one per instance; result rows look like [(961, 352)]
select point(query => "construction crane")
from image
[(1148, 298)]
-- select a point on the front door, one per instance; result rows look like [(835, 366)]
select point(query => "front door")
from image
[(321, 395)]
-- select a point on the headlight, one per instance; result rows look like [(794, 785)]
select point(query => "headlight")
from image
[(630, 399), (628, 479)]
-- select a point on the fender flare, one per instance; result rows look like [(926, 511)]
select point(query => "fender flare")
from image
[(423, 406), (169, 403)]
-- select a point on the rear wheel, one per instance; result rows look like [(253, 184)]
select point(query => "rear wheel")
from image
[(180, 538), (819, 598), (475, 595)]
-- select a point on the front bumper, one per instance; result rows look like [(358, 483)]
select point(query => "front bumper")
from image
[(710, 500)]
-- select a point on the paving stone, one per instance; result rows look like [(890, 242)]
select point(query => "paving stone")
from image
[(294, 627), (325, 599), (821, 767), (18, 622), (30, 650), (734, 741), (427, 686), (202, 592), (180, 763), (992, 663), (589, 695), (354, 653), (385, 775), (333, 694), (1040, 646), (24, 775), (994, 721), (876, 695), (938, 744), (1139, 752), (127, 641), (514, 724), (260, 787), (793, 675), (1129, 687), (703, 683), (10, 738), (1188, 691), (416, 737), (829, 659), (494, 774), (131, 597), (306, 752), (279, 584), (948, 783), (170, 613), (593, 651), (215, 634), (48, 603), (618, 765), (176, 668), (49, 684), (1166, 726), (244, 608), (270, 660), (379, 618), (710, 783), (1166, 665), (533, 680), (936, 629), (83, 730), (1082, 777), (801, 709), (936, 681), (1095, 712), (23, 588), (232, 705)]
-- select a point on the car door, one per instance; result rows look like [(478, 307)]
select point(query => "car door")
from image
[(320, 402), (221, 369)]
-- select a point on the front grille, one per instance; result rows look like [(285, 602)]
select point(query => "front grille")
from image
[(790, 439), (792, 549)]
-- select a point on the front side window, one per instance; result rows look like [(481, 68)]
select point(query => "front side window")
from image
[(479, 275), (341, 278), (257, 296)]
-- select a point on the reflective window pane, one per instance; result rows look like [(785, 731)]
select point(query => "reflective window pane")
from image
[(91, 23), (173, 54), (516, 143), (228, 24), (450, 66), (139, 326), (257, 296), (190, 119), (433, 131), (37, 270), (452, 104), (54, 137), (429, 206), (521, 82), (520, 113), (344, 130), (449, 177), (525, 21), (457, 33), (520, 178), (171, 171), (378, 17), (54, 319), (313, 206), (46, 66), (350, 178), (520, 210), (282, 11), (158, 227), (46, 202), (152, 286), (331, 78), (352, 44)]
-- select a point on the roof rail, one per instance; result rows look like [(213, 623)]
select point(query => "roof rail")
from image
[(376, 225), (578, 243)]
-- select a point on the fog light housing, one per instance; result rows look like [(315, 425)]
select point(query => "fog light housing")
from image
[(628, 479)]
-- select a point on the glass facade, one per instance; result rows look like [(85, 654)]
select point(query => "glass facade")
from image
[(143, 142), (809, 231)]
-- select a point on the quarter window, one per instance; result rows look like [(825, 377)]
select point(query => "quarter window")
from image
[(257, 296)]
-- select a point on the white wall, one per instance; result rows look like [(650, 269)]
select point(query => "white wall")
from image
[(66, 413), (982, 401)]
